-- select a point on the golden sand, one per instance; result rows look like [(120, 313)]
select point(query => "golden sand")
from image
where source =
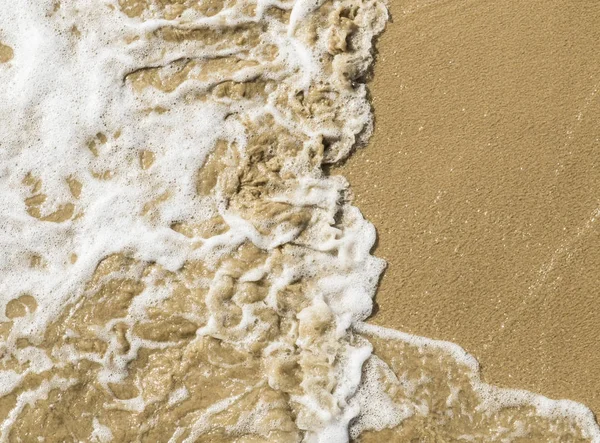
[(6, 53), (483, 181)]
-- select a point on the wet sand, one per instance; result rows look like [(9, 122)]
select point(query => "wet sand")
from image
[(483, 180)]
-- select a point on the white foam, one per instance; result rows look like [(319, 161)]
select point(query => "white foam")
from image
[(101, 433), (64, 87), (57, 94), (492, 398)]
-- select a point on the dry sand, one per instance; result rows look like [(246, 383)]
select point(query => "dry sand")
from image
[(483, 180)]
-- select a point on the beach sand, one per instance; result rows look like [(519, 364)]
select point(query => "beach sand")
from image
[(176, 266), (483, 180)]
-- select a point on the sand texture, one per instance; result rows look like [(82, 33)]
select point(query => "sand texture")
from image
[(483, 181)]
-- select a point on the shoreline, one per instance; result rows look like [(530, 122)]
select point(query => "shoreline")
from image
[(481, 180)]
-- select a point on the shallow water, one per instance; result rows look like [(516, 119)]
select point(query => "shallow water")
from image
[(175, 264)]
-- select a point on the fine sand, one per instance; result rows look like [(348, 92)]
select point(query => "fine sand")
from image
[(483, 180)]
